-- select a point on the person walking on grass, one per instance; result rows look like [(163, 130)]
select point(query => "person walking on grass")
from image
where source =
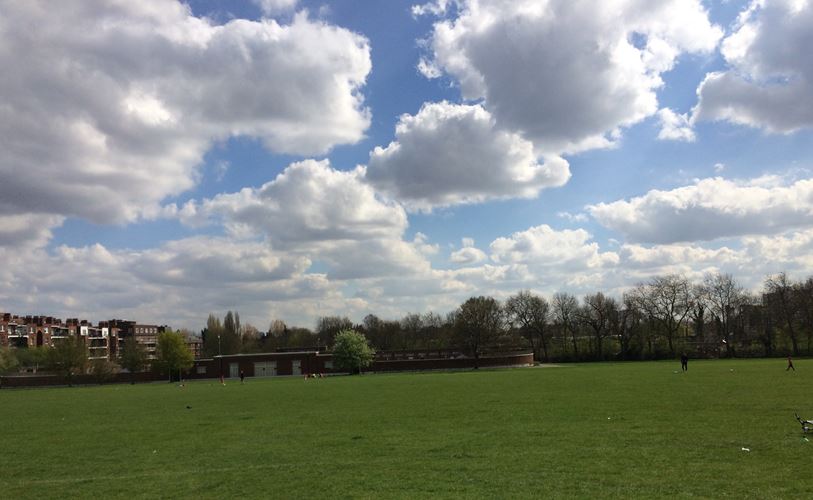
[(242, 376), (790, 364), (684, 362)]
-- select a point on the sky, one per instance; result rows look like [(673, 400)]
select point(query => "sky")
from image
[(291, 159)]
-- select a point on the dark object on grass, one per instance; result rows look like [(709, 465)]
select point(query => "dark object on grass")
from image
[(807, 425), (188, 407)]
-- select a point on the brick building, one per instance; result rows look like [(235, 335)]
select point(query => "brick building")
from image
[(104, 340), (307, 362)]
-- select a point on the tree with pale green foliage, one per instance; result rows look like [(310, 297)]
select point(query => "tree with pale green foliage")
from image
[(133, 357), (172, 353), (8, 361), (32, 357), (351, 352), (68, 357)]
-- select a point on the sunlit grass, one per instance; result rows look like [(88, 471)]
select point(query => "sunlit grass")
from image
[(593, 430)]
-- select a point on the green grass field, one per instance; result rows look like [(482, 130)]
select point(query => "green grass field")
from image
[(593, 430)]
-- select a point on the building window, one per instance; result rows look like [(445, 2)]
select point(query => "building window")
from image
[(201, 369)]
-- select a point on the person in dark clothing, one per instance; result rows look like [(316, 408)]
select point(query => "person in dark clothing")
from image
[(242, 376), (684, 362), (790, 364)]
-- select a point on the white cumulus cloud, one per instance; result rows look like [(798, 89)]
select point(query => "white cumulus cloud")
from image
[(674, 126), (323, 214), (565, 74), (468, 253), (544, 247), (271, 7), (710, 209), (452, 154)]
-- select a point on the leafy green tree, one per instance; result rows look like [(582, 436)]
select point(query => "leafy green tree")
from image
[(172, 353), (68, 357), (8, 361), (32, 357), (351, 352), (133, 357)]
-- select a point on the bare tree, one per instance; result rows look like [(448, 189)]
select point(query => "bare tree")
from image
[(530, 313), (250, 339), (698, 311), (435, 333), (625, 322), (806, 310), (596, 314), (783, 304), (328, 326), (411, 326), (667, 300), (724, 297), (565, 310), (479, 322)]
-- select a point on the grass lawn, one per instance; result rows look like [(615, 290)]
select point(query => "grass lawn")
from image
[(593, 430)]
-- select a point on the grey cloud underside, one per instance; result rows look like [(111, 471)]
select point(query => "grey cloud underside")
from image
[(450, 154), (310, 203), (115, 103), (769, 83), (778, 108)]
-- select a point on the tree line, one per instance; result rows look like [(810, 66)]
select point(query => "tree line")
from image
[(659, 318)]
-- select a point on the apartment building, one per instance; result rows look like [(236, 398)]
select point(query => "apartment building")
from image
[(146, 335), (104, 340)]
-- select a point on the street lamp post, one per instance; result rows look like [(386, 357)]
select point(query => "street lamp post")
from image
[(220, 356)]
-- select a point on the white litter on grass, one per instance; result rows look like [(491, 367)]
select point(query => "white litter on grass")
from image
[(674, 371), (155, 451), (608, 418), (746, 449)]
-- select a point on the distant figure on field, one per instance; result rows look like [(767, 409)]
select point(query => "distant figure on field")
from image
[(242, 376), (684, 362), (790, 364)]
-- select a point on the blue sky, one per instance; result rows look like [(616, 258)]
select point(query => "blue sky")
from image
[(294, 159)]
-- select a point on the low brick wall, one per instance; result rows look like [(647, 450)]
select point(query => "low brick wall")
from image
[(12, 381), (520, 359), (310, 362)]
